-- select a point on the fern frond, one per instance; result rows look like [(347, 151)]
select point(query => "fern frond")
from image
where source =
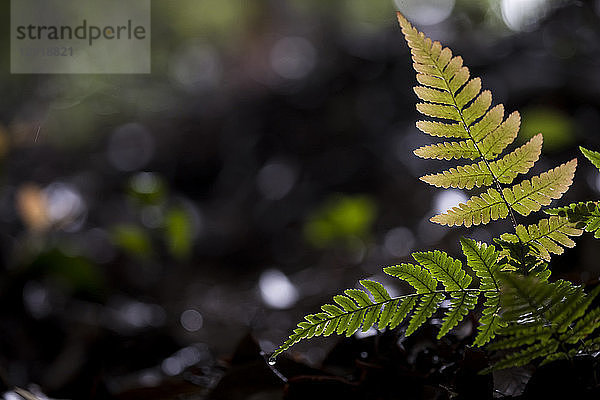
[(418, 277), (542, 318), (529, 317), (549, 236), (531, 195), (449, 150), (585, 215), (373, 306), (406, 306), (461, 303), (489, 206), (583, 328), (424, 283), (462, 112), (351, 311), (526, 197), (441, 129), (449, 95), (428, 305), (504, 170), (482, 259), (452, 275), (494, 142), (445, 269), (591, 155), (525, 356), (521, 337)]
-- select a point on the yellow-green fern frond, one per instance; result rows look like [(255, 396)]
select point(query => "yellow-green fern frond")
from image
[(526, 197), (462, 113), (549, 236), (489, 206), (504, 170), (531, 195), (461, 108), (449, 150)]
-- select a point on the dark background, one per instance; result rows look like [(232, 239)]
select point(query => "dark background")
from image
[(150, 222)]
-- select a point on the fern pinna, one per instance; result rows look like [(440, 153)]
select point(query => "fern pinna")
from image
[(549, 320)]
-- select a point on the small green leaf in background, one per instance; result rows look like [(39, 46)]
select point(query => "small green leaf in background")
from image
[(133, 240), (555, 125), (340, 219), (179, 232), (591, 155)]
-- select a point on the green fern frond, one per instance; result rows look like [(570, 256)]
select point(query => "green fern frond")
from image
[(461, 303), (424, 283), (543, 319), (591, 155), (428, 305), (584, 327), (482, 259), (461, 112), (419, 278), (489, 206), (585, 215), (525, 356), (549, 236), (531, 195), (449, 150), (373, 306), (445, 269), (352, 310), (437, 266), (521, 337)]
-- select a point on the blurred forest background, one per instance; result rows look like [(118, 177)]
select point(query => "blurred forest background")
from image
[(150, 222)]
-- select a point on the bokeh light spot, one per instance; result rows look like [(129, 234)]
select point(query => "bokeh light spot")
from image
[(293, 57), (523, 15), (191, 320), (276, 289), (448, 199), (275, 180), (425, 12)]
